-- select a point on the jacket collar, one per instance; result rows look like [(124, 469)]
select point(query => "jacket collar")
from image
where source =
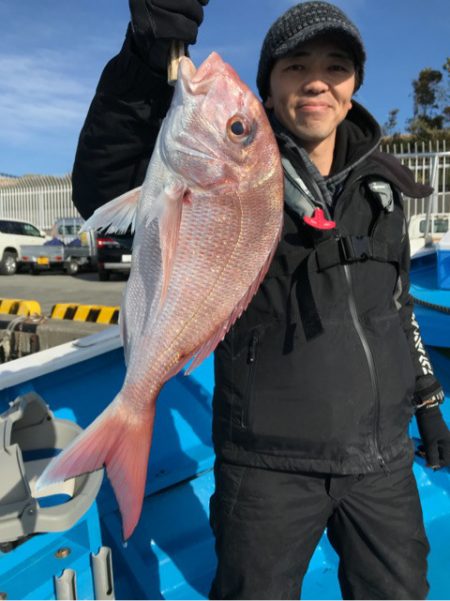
[(356, 138), (356, 150)]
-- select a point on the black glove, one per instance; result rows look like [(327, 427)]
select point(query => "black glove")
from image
[(155, 23), (435, 436)]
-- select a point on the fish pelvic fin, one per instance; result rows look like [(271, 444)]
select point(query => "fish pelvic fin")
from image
[(120, 443), (117, 215)]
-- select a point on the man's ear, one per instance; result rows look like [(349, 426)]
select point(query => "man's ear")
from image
[(268, 102)]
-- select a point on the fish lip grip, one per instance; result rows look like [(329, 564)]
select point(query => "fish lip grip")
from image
[(29, 428), (318, 221)]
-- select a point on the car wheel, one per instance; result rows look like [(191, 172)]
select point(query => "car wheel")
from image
[(103, 275), (72, 268), (8, 264)]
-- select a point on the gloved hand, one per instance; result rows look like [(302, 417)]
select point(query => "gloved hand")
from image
[(155, 23), (435, 436)]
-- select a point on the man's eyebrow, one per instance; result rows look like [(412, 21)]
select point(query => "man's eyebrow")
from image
[(334, 54), (344, 55)]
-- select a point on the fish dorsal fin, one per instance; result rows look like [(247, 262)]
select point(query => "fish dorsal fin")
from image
[(168, 209), (219, 334), (117, 215)]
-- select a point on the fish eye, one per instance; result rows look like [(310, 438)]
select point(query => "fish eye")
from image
[(237, 128)]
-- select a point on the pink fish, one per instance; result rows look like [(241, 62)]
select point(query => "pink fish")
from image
[(207, 220)]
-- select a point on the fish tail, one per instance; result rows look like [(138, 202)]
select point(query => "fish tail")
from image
[(119, 441)]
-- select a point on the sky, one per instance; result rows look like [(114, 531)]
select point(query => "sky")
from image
[(52, 53)]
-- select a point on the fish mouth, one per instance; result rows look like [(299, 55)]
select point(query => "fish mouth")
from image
[(186, 70), (198, 81)]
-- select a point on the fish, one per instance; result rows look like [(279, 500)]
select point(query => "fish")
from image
[(206, 220)]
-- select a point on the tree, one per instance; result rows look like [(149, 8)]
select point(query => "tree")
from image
[(391, 124), (446, 110), (430, 100), (426, 91), (446, 66), (446, 115)]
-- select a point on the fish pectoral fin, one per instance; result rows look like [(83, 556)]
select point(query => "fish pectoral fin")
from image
[(117, 215), (170, 207)]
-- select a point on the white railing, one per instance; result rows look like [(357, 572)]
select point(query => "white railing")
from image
[(43, 199), (430, 164), (432, 168)]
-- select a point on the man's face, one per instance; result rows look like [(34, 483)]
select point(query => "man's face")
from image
[(311, 90)]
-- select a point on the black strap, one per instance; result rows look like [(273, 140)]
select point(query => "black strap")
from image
[(284, 265), (309, 314), (350, 249), (301, 304)]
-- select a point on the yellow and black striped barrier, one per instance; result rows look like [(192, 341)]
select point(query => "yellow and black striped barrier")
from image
[(14, 306), (92, 313)]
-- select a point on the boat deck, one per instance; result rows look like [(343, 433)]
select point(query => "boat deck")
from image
[(171, 553)]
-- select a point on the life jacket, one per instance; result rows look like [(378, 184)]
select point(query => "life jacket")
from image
[(333, 248)]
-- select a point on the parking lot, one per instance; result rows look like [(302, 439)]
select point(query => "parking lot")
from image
[(50, 288)]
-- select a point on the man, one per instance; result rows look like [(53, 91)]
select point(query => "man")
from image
[(317, 381)]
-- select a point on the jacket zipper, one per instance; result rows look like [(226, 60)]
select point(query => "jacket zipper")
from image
[(251, 361), (370, 363), (360, 332), (369, 357)]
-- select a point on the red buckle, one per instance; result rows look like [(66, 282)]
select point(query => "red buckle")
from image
[(318, 221)]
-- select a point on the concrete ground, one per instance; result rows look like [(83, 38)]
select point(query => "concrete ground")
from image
[(50, 288)]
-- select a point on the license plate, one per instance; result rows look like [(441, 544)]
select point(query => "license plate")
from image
[(126, 258), (42, 260)]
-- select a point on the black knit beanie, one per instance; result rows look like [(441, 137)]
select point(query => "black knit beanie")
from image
[(301, 23)]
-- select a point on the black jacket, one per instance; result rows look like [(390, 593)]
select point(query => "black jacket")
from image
[(323, 369)]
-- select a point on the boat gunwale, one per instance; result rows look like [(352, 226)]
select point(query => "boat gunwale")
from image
[(58, 357)]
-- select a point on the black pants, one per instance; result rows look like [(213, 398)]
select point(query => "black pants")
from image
[(268, 523)]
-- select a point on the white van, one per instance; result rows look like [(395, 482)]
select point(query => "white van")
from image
[(14, 233)]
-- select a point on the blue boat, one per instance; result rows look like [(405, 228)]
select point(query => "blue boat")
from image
[(69, 544)]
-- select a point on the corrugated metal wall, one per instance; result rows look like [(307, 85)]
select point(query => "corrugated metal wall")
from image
[(38, 199)]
